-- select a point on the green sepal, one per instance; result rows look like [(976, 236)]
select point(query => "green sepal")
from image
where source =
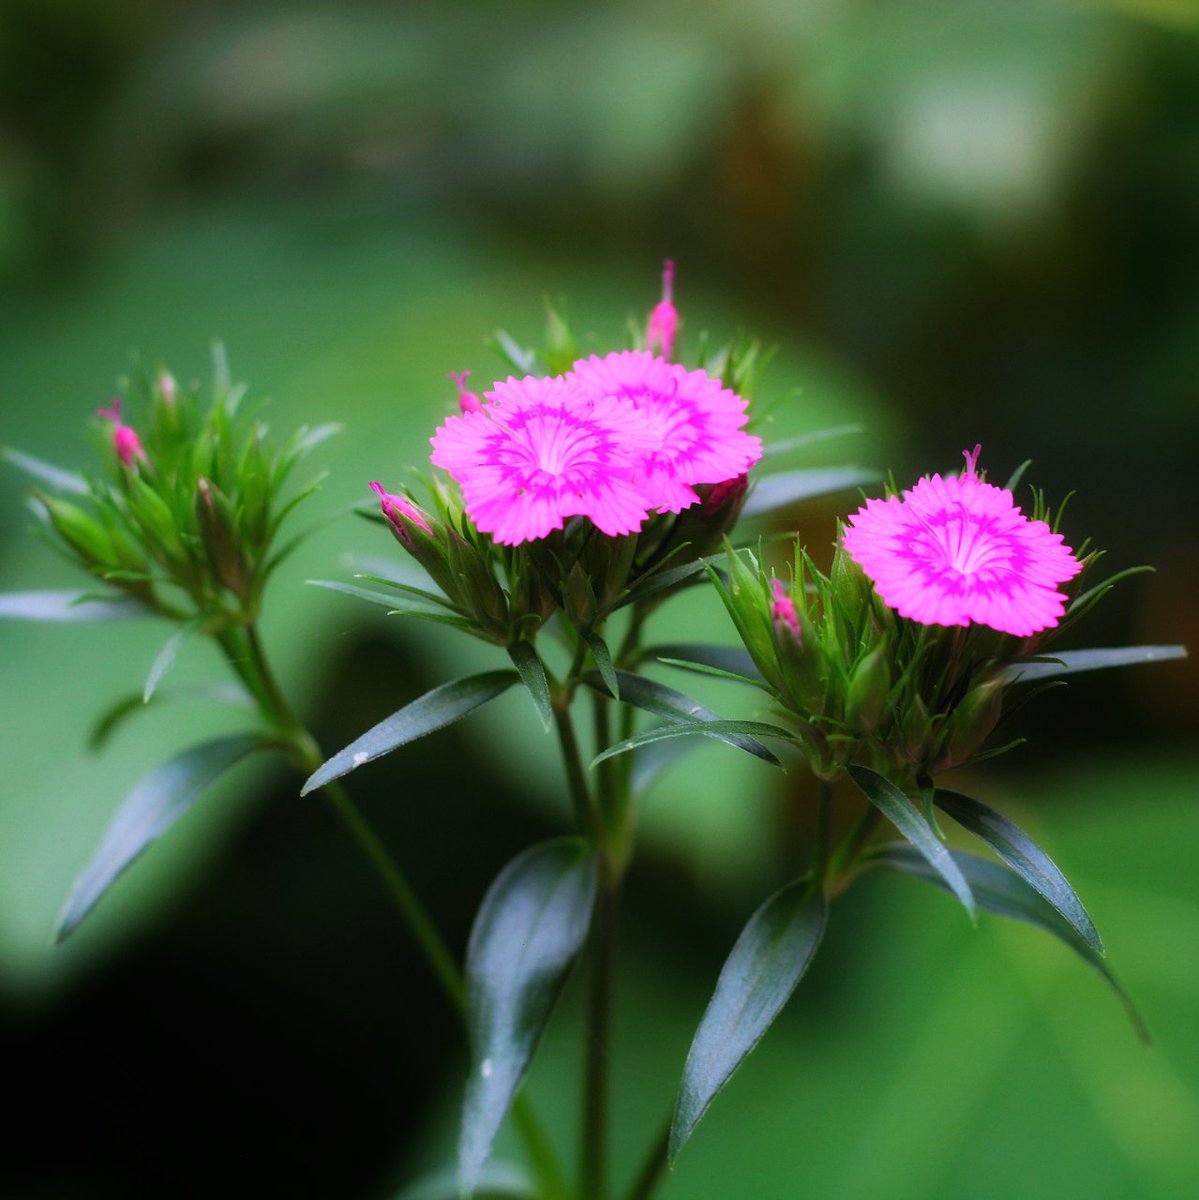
[(663, 701), (766, 964), (532, 673), (154, 805), (528, 931), (908, 819), (1003, 892), (434, 710), (1024, 856)]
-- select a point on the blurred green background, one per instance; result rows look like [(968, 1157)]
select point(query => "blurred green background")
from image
[(960, 222)]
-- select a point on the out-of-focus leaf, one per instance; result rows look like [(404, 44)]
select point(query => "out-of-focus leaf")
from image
[(116, 714), (664, 701), (772, 492), (767, 962), (165, 659), (908, 819), (1069, 662), (497, 1179), (777, 449), (154, 805), (52, 476), (526, 935), (532, 673), (1003, 892), (70, 606), (434, 710), (1024, 856)]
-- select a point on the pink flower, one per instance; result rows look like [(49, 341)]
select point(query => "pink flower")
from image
[(467, 401), (124, 438), (663, 326), (395, 509), (959, 551), (543, 450), (782, 608), (694, 423)]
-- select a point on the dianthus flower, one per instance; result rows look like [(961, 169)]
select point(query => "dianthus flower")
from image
[(542, 450), (959, 551), (693, 421)]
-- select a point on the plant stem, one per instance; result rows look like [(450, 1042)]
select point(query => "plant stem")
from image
[(599, 1030)]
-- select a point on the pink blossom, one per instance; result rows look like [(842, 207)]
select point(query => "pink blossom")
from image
[(959, 551), (663, 326), (542, 450), (396, 509), (693, 421), (467, 401), (124, 438), (782, 608)]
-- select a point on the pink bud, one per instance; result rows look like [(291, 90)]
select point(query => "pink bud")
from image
[(730, 491), (782, 608), (468, 402), (396, 509), (167, 387), (663, 324), (124, 438)]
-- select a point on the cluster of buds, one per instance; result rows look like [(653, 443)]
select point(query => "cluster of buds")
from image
[(184, 512), (896, 668)]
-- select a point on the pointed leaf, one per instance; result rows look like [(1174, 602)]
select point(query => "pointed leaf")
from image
[(527, 933), (713, 729), (757, 979), (70, 606), (773, 492), (603, 662), (397, 606), (157, 801), (165, 659), (532, 674), (1003, 892), (1024, 856), (1069, 662), (908, 819), (434, 710), (775, 449), (116, 714), (664, 701), (730, 662), (52, 476)]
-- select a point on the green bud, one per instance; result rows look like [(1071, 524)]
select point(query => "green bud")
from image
[(85, 536), (971, 723), (214, 518), (866, 693)]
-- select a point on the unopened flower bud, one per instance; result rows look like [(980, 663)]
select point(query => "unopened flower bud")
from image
[(782, 609), (397, 510), (167, 388), (216, 531), (663, 326), (972, 722), (866, 694), (468, 402), (124, 438)]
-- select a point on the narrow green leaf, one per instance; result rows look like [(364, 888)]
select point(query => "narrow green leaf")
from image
[(907, 818), (116, 714), (732, 662), (758, 977), (527, 933), (713, 729), (1070, 662), (52, 476), (532, 673), (154, 805), (432, 598), (1087, 600), (70, 606), (603, 662), (773, 492), (663, 701), (1003, 892), (165, 659), (434, 710), (397, 606), (660, 580), (775, 449), (1024, 856)]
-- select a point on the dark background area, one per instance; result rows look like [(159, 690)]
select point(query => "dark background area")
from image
[(960, 223)]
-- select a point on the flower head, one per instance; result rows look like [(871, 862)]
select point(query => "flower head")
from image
[(959, 551), (663, 326), (398, 508), (542, 450), (124, 438), (693, 422)]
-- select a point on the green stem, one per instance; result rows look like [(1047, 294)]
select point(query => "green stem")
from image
[(823, 830), (599, 1028)]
